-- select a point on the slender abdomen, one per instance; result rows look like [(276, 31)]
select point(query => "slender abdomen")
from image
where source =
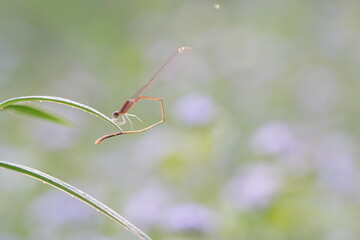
[(127, 106)]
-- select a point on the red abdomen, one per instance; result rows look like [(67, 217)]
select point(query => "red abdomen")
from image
[(126, 107)]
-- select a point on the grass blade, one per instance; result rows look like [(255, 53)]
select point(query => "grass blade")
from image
[(39, 113), (59, 100), (73, 191)]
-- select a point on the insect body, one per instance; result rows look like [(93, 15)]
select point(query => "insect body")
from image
[(170, 66)]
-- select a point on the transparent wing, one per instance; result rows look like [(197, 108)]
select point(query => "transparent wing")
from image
[(169, 67)]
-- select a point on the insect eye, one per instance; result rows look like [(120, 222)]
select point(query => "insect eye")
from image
[(115, 114)]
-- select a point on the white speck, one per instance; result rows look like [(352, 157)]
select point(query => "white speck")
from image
[(217, 6)]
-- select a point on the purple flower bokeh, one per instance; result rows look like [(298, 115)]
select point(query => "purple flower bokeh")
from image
[(152, 207), (254, 187), (147, 206), (336, 165), (274, 138), (55, 209), (195, 110), (190, 217)]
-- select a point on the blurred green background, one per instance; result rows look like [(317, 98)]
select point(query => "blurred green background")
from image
[(262, 132)]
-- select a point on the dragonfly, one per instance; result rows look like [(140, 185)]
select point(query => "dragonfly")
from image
[(169, 67)]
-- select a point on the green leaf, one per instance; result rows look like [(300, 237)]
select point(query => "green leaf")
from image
[(77, 193), (39, 113), (5, 104)]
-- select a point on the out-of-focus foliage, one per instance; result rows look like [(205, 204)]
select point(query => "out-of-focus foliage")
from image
[(261, 139)]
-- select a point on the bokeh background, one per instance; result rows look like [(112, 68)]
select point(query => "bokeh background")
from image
[(262, 133)]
